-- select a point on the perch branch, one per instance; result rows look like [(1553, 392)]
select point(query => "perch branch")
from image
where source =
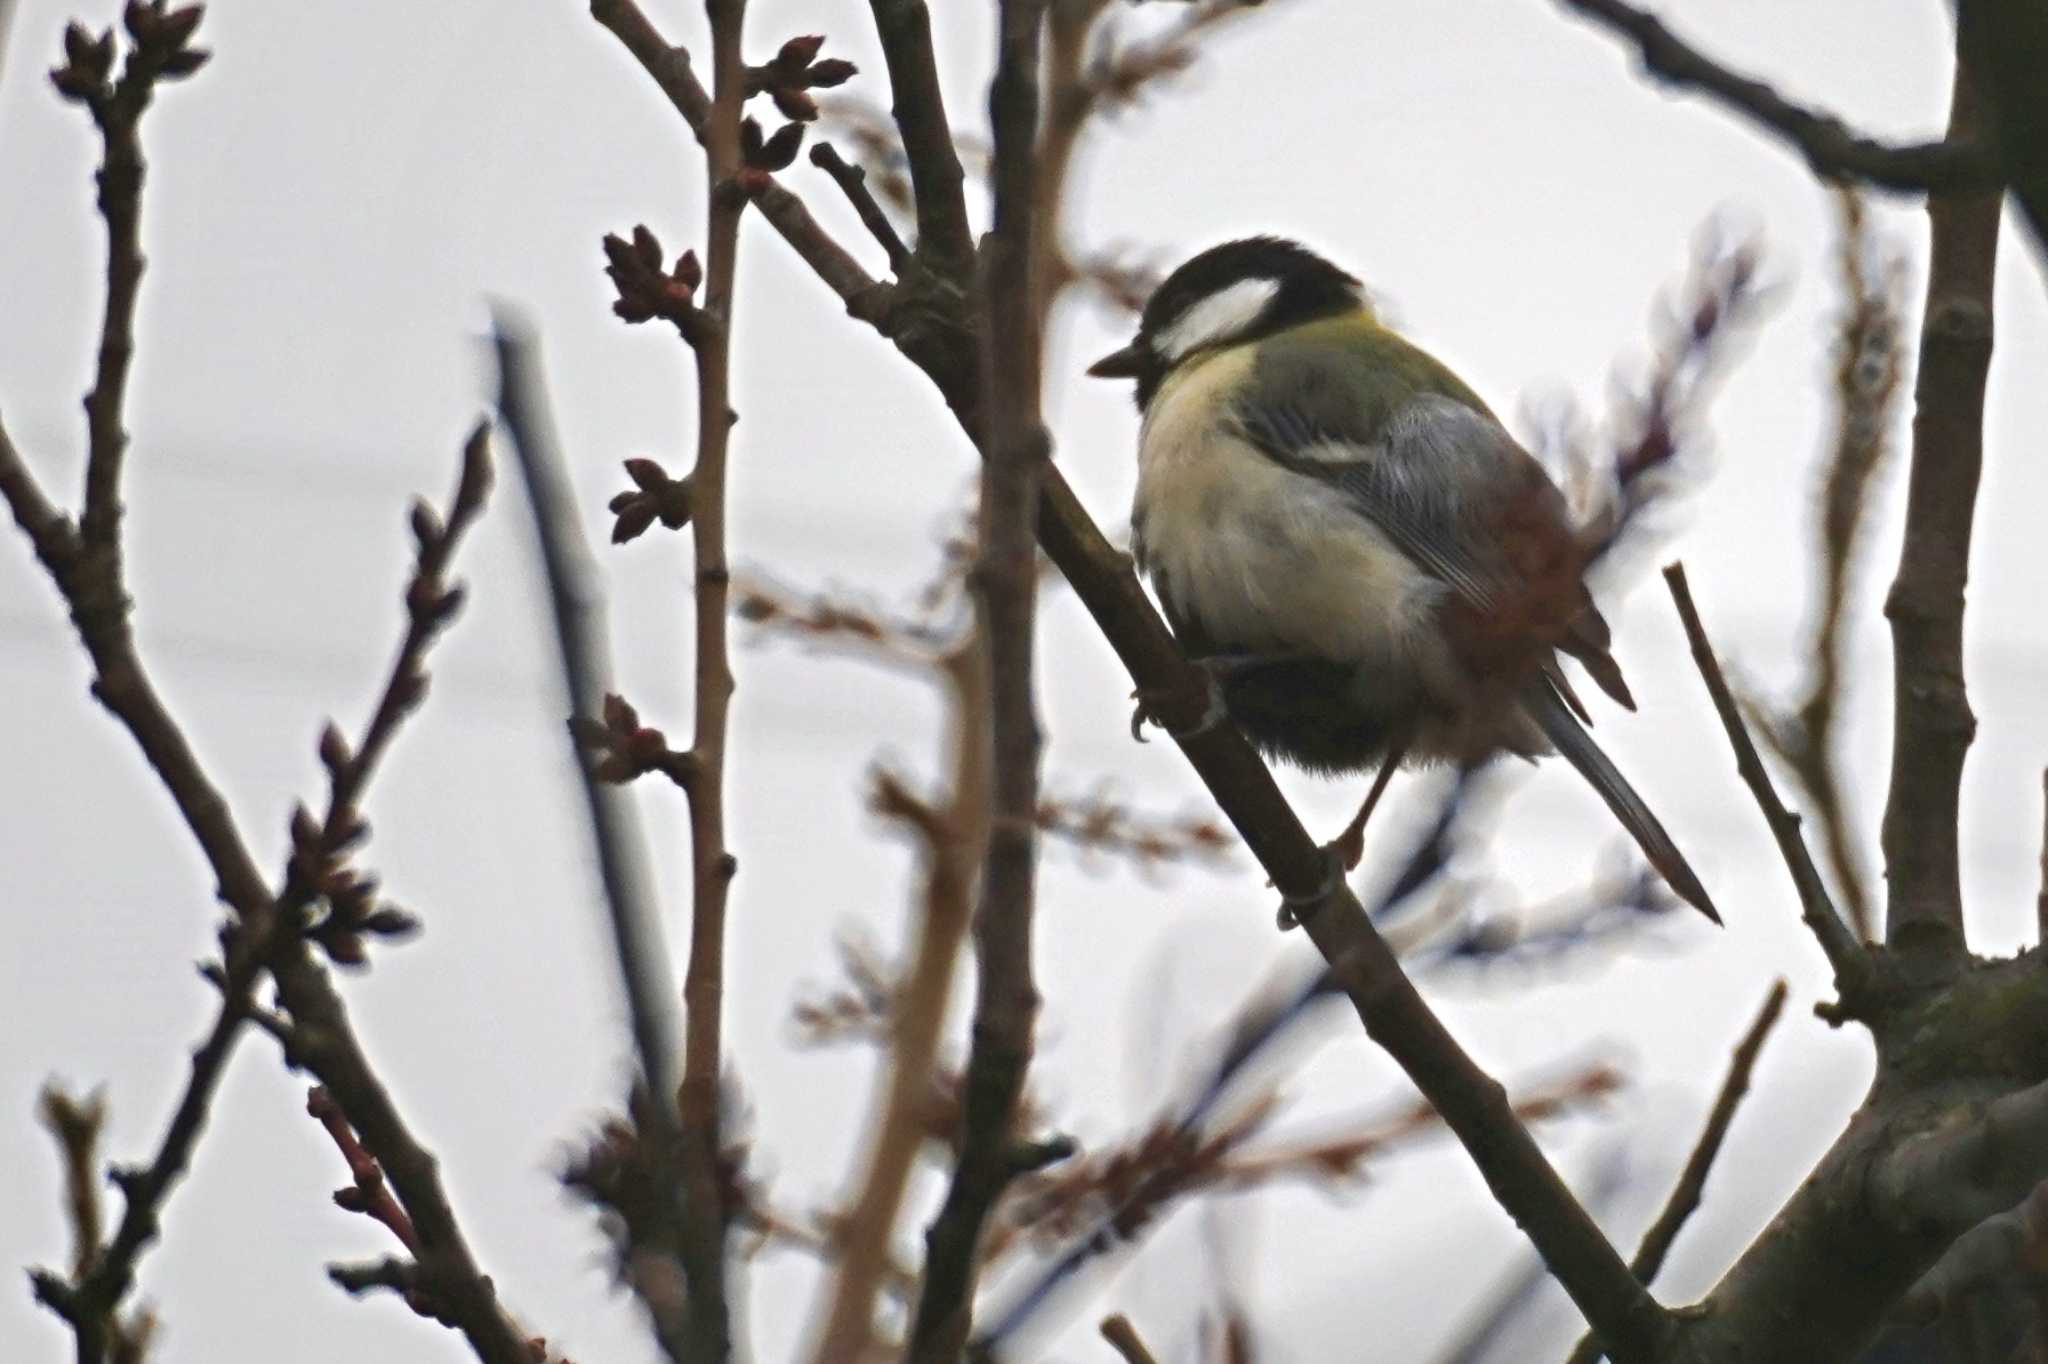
[(1474, 1105)]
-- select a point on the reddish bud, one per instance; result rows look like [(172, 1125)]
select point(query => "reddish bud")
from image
[(426, 525), (800, 51), (477, 474), (345, 949), (635, 514), (688, 272), (74, 84), (646, 250), (619, 715), (645, 473), (334, 751), (794, 103), (831, 72), (179, 24), (780, 149), (185, 61), (305, 829), (351, 1199), (390, 922)]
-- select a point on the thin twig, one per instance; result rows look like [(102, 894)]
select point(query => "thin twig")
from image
[(1006, 583), (1125, 1340), (1685, 1197), (712, 865), (852, 182), (1868, 373), (669, 66), (577, 597), (952, 834), (1932, 724), (1692, 1181), (1851, 963), (937, 182), (1832, 149)]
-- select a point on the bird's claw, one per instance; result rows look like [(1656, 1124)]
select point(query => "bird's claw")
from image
[(1151, 699), (1296, 909)]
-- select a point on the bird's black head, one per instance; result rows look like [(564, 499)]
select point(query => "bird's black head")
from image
[(1235, 292)]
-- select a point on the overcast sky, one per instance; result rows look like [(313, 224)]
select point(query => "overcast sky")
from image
[(331, 202)]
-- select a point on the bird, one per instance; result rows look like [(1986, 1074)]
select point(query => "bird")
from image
[(1368, 566)]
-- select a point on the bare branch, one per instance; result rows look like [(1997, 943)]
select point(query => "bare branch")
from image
[(2013, 1240), (1851, 963), (582, 636), (1869, 368), (919, 108), (1006, 583), (1932, 724), (1956, 1174), (952, 835), (1125, 1340), (852, 182), (1832, 149), (670, 68), (1692, 1181)]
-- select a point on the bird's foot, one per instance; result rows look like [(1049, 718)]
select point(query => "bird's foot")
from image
[(1348, 847), (1151, 700), (1296, 909)]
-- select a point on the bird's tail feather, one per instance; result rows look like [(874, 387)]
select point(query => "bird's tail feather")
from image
[(1543, 705)]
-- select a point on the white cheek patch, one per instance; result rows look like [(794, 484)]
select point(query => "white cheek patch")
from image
[(1222, 316)]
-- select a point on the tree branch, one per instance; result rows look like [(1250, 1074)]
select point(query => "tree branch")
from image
[(852, 182), (1932, 724), (1830, 148), (669, 66), (581, 633), (919, 108), (953, 838), (712, 865), (1125, 1340), (1692, 1181), (1854, 975), (1006, 584)]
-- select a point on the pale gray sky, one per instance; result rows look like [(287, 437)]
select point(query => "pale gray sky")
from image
[(331, 201)]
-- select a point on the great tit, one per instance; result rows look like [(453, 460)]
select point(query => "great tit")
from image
[(1369, 566)]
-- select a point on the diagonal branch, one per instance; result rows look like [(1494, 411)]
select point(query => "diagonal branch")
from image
[(1932, 724), (1692, 1181), (1854, 973), (1473, 1104), (1830, 147)]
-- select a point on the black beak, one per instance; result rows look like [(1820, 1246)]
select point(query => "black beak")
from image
[(1120, 364)]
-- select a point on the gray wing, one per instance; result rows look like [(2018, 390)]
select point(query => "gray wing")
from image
[(1432, 479)]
